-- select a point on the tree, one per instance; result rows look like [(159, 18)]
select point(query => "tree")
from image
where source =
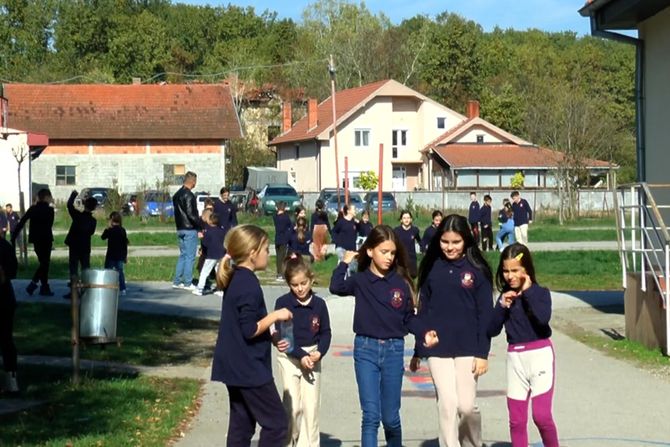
[(368, 180), (242, 153)]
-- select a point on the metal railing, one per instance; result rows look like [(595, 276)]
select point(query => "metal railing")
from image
[(644, 240)]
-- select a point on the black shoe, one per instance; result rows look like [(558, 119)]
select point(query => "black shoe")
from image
[(46, 291), (68, 296), (31, 288)]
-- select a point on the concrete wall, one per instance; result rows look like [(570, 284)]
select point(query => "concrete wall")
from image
[(645, 316), (9, 183)]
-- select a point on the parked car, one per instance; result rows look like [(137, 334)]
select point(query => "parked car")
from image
[(200, 201), (99, 193), (273, 193), (388, 202), (326, 193), (354, 199), (129, 207), (158, 203)]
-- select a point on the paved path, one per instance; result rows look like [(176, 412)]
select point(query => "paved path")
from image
[(600, 401)]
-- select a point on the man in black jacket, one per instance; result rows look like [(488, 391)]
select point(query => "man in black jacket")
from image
[(188, 225), (41, 216), (78, 238), (8, 266)]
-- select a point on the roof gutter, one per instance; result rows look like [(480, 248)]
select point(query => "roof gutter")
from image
[(597, 31)]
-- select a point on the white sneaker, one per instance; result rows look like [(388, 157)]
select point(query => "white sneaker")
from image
[(198, 292), (12, 384), (177, 286), (190, 288), (279, 279), (219, 293), (122, 292)]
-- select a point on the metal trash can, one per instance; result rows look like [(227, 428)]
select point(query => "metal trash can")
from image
[(99, 305)]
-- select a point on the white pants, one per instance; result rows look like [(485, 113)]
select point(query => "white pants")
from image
[(459, 420), (207, 267), (521, 234), (301, 399)]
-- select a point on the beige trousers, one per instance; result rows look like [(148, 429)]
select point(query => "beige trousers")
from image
[(460, 423), (521, 234), (301, 399)]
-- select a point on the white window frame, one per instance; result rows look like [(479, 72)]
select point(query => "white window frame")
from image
[(399, 146), (359, 137)]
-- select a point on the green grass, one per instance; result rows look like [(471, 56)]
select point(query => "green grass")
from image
[(161, 238), (104, 409), (44, 329)]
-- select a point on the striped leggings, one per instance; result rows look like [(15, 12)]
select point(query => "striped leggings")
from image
[(530, 376)]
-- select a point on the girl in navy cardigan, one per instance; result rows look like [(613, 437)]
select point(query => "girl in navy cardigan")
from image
[(301, 239), (383, 315), (242, 353), (456, 298), (300, 366), (524, 308), (408, 234)]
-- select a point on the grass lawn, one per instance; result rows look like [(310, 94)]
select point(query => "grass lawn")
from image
[(104, 409), (44, 329)]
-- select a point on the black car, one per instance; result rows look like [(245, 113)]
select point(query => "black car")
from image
[(388, 201), (100, 194), (332, 204)]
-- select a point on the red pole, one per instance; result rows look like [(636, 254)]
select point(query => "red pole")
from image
[(346, 180), (379, 187), (331, 69)]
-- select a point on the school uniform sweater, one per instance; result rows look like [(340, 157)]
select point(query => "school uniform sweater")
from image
[(364, 228), (41, 216), (407, 238), (117, 243), (473, 212), (344, 233), (319, 218), (83, 225), (428, 236), (212, 242), (522, 213), (240, 359), (283, 228), (383, 307), (457, 301), (485, 215), (227, 212), (527, 319), (311, 323), (297, 246)]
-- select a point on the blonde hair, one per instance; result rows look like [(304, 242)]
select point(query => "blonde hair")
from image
[(205, 215), (239, 243)]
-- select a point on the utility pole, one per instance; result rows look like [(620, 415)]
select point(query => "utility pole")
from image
[(331, 70)]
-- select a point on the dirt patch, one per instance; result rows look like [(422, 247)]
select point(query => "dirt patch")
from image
[(200, 345)]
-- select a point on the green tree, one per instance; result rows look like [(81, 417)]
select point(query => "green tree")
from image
[(368, 180)]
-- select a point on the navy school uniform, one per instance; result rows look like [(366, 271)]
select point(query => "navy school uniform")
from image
[(427, 237), (527, 319), (283, 228), (457, 301), (212, 242), (117, 244), (295, 245), (473, 213), (227, 212), (344, 233), (383, 307), (407, 237), (522, 213), (364, 228), (311, 323), (319, 218)]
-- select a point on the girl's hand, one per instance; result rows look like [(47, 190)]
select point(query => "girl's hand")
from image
[(349, 256), (307, 363), (430, 339), (283, 314), (527, 282), (282, 345), (508, 298), (414, 364), (480, 366), (315, 356)]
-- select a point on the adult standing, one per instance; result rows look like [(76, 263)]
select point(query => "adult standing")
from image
[(188, 225), (40, 234), (523, 215), (226, 210), (8, 267)]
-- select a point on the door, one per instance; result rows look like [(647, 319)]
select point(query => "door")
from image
[(399, 178)]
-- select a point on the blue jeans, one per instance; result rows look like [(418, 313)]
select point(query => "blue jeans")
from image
[(506, 229), (379, 371), (188, 246), (118, 266)]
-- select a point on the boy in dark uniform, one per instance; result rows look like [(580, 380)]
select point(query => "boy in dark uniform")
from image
[(473, 216), (8, 266), (485, 222), (226, 210), (41, 216), (79, 237)]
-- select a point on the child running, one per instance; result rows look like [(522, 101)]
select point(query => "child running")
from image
[(524, 308), (212, 244), (383, 314), (117, 248), (242, 353), (300, 367), (456, 298)]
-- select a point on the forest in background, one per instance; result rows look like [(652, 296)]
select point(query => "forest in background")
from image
[(559, 90)]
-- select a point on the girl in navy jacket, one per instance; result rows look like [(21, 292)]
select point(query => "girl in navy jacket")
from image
[(383, 315), (456, 298), (301, 239), (242, 353), (300, 366), (524, 308), (408, 235)]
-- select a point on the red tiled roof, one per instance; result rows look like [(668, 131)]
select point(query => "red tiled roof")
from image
[(498, 156), (103, 111), (345, 101)]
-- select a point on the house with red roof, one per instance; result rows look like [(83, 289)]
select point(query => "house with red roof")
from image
[(426, 145), (135, 136)]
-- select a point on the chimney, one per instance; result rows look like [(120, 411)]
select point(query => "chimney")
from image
[(312, 119), (287, 116), (137, 81), (473, 109)]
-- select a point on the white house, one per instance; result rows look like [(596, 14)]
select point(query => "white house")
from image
[(18, 146)]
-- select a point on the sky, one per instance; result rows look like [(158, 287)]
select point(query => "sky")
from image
[(546, 15)]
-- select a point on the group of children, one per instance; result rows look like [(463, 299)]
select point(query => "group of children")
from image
[(513, 217), (451, 312)]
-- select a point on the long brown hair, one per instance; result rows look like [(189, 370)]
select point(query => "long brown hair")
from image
[(239, 243), (301, 229)]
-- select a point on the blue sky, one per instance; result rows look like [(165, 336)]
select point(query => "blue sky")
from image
[(547, 15)]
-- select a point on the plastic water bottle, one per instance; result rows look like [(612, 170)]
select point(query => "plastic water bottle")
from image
[(286, 331)]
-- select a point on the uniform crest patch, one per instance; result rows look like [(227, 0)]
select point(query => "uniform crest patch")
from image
[(467, 279), (316, 324), (396, 298)]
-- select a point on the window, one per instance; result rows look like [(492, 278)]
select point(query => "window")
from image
[(362, 137), (174, 174), (297, 151), (441, 122), (398, 140), (480, 138), (66, 175), (395, 152)]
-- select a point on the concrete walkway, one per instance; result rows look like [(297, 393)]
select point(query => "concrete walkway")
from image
[(599, 401)]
